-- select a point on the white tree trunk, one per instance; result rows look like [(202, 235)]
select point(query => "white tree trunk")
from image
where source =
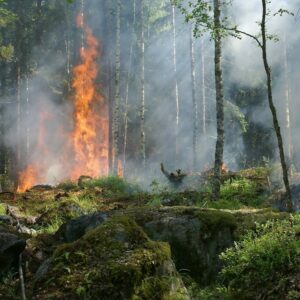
[(175, 81), (195, 104), (127, 87), (142, 104)]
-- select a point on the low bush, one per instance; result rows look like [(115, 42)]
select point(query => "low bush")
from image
[(265, 264), (113, 186)]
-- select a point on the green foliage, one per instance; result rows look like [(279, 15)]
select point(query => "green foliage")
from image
[(2, 209), (213, 292), (232, 204), (67, 185), (233, 114), (9, 287), (51, 227), (155, 201), (201, 15), (243, 190), (113, 186), (265, 263)]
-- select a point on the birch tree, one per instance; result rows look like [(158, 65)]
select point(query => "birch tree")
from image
[(142, 87), (117, 100), (208, 18), (174, 31), (194, 100)]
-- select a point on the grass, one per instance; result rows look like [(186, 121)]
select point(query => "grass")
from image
[(52, 227), (2, 209)]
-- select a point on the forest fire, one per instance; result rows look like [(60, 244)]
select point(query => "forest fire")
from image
[(90, 114), (86, 147), (36, 172)]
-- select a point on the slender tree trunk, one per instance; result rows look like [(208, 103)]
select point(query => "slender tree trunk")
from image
[(219, 102), (287, 103), (19, 167), (204, 122), (116, 112), (82, 23), (127, 87), (109, 84), (289, 203), (27, 120), (175, 81), (142, 103), (194, 100)]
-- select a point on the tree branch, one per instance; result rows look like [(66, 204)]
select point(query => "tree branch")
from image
[(246, 34)]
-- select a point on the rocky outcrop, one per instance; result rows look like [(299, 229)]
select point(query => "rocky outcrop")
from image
[(66, 210), (196, 236), (11, 246), (76, 228), (116, 260)]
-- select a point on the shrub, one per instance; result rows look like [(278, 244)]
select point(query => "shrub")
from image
[(113, 186), (242, 190), (265, 264), (67, 185)]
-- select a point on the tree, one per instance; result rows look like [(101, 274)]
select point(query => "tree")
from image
[(142, 86), (201, 17), (261, 41), (194, 100), (268, 70), (205, 21), (117, 100), (174, 32), (133, 30)]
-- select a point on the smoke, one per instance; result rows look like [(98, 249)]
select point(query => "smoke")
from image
[(247, 66), (48, 88)]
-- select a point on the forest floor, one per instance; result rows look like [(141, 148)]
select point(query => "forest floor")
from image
[(109, 239)]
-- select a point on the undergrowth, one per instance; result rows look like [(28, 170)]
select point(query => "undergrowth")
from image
[(265, 264)]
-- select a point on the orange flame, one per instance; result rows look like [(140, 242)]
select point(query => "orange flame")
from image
[(86, 148), (27, 178), (35, 173), (224, 168), (90, 114)]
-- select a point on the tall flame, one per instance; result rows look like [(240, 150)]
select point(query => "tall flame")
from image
[(86, 147), (36, 172), (90, 114)]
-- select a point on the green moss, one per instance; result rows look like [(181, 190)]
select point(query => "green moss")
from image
[(2, 209), (63, 211), (160, 287), (215, 220), (109, 262)]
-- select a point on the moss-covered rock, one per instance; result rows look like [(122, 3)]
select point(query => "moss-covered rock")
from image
[(66, 210), (196, 236), (114, 261), (11, 246)]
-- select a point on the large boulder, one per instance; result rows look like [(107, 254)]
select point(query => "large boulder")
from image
[(114, 261), (196, 236), (11, 246), (76, 228)]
